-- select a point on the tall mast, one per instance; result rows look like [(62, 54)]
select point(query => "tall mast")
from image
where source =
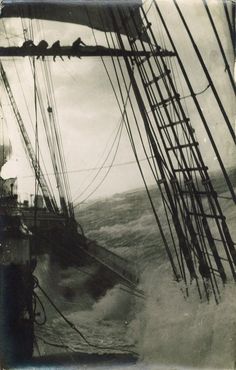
[(187, 182), (48, 198)]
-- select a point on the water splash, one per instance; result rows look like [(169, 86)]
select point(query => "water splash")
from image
[(172, 330)]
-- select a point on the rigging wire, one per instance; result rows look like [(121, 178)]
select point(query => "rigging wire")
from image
[(231, 24), (185, 135), (207, 183), (220, 45), (109, 168), (36, 185), (58, 136), (90, 170), (57, 158), (73, 327), (121, 164), (117, 136), (149, 8), (197, 93), (206, 72), (160, 95), (148, 193), (54, 128), (147, 189), (31, 121)]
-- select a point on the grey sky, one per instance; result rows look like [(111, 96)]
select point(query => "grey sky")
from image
[(87, 109)]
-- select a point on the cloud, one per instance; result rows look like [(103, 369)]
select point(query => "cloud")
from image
[(86, 106)]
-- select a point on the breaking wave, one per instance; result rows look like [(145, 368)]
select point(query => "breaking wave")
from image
[(184, 332), (115, 305), (168, 330)]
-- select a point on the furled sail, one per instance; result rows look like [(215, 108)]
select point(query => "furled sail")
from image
[(91, 13)]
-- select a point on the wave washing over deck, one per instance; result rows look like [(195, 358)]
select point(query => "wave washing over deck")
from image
[(164, 327)]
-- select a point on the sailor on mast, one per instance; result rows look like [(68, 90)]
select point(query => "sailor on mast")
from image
[(56, 48), (76, 46), (41, 47)]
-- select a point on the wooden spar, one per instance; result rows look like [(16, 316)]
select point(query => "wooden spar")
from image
[(83, 51)]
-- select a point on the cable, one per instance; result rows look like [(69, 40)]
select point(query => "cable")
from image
[(117, 147), (72, 325), (106, 174), (118, 134), (198, 93), (94, 168), (35, 299)]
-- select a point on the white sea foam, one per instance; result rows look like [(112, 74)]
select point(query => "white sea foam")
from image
[(115, 305), (168, 331), (172, 330), (144, 223)]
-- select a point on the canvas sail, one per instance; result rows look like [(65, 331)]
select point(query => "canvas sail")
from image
[(91, 13)]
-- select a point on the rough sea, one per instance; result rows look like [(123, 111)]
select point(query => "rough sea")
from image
[(165, 329)]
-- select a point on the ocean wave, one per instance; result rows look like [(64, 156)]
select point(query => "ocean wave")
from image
[(143, 224), (170, 329)]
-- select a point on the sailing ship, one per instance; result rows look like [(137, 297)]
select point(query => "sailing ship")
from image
[(201, 250)]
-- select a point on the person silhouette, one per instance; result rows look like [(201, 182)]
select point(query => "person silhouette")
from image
[(56, 48), (76, 46), (78, 42), (41, 47), (28, 44)]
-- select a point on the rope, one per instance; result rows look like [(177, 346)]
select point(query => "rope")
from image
[(118, 134), (109, 168), (198, 93), (95, 168), (73, 327), (35, 299)]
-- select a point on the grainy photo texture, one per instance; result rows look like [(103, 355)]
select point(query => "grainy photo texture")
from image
[(117, 184)]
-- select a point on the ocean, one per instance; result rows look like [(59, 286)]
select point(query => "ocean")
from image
[(165, 329)]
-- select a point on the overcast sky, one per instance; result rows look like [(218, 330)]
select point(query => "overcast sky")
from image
[(87, 109)]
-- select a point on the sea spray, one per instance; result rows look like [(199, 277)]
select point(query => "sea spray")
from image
[(173, 330), (169, 331), (115, 305)]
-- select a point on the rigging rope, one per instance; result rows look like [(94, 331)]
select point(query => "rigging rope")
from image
[(198, 93), (36, 148), (109, 168), (73, 327), (31, 121), (121, 164), (220, 45), (118, 135)]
